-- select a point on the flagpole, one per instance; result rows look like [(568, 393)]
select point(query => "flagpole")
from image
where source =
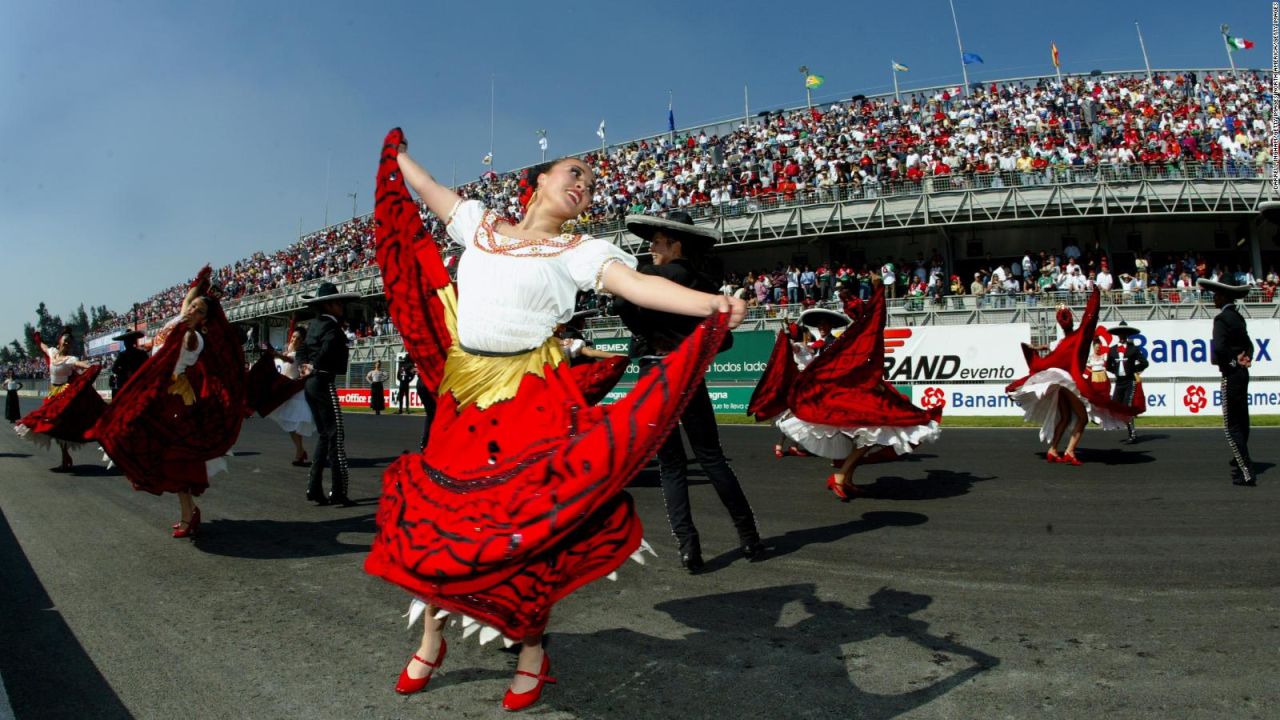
[(491, 96), (1056, 66), (1231, 60), (670, 109), (746, 106), (894, 70), (808, 93), (327, 161), (1143, 45), (964, 71)]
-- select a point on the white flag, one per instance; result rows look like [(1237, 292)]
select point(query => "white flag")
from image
[(600, 130), (488, 159), (542, 143)]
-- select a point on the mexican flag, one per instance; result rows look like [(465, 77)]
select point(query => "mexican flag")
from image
[(1234, 44)]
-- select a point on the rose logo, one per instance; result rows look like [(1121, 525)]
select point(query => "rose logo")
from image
[(1195, 400), (933, 398)]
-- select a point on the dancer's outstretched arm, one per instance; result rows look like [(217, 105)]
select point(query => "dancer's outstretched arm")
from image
[(438, 198), (659, 293)]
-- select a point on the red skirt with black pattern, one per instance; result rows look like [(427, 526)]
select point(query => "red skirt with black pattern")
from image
[(513, 506)]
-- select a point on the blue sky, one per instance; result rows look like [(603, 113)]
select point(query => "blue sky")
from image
[(139, 140)]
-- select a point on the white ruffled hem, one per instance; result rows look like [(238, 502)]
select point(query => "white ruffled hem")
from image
[(211, 467), (834, 442), (294, 415), (1038, 398), (487, 633), (43, 441)]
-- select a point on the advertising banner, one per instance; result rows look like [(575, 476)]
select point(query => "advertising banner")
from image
[(1186, 398), (103, 344), (933, 353), (359, 397), (1181, 348), (941, 353)]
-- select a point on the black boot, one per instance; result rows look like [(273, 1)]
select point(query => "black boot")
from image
[(691, 557), (316, 495), (339, 494)]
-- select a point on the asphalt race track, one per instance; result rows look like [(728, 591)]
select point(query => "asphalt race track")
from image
[(971, 581)]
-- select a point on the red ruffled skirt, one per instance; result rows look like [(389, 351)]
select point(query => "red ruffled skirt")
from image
[(512, 507), (170, 434), (67, 414)]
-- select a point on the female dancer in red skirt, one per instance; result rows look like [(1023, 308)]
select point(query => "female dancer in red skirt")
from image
[(792, 352), (518, 498), (181, 411), (275, 391), (841, 407), (72, 405), (1060, 391)]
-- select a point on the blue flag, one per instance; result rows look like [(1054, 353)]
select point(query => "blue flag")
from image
[(671, 120), (970, 58)]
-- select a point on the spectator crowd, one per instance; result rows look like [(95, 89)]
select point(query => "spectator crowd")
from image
[(1002, 134)]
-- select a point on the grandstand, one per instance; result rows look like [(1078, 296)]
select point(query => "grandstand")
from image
[(1114, 169)]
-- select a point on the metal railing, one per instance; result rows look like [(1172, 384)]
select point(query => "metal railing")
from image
[(1105, 174)]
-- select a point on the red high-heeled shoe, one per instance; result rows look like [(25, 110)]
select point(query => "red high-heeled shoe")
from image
[(190, 529), (520, 701), (797, 451), (1070, 459), (1052, 456), (777, 451), (842, 491), (408, 685)]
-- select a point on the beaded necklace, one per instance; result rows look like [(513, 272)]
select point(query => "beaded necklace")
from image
[(490, 240)]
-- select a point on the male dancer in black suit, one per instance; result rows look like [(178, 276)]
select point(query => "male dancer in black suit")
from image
[(1233, 354), (325, 351), (404, 380), (1126, 363), (128, 361), (677, 246)]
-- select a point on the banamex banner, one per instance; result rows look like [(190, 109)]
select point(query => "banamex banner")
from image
[(1181, 348), (1186, 398)]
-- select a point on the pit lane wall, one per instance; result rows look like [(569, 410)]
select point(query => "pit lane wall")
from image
[(966, 368)]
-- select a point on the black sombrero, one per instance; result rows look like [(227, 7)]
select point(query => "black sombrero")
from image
[(812, 316), (129, 336), (328, 292), (679, 225), (1124, 331), (1219, 288)]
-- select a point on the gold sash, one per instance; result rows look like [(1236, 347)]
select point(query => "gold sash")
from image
[(182, 388), (485, 380)]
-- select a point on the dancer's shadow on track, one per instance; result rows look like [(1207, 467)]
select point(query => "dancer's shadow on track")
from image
[(47, 672), (15, 455), (766, 653), (1114, 456), (794, 540), (935, 485), (1144, 438), (284, 539), (357, 462), (94, 470)]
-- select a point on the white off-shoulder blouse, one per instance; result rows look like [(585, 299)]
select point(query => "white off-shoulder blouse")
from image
[(512, 293)]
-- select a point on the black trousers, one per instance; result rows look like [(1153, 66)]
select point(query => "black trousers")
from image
[(1122, 392), (331, 449), (403, 399), (1235, 418), (699, 423)]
